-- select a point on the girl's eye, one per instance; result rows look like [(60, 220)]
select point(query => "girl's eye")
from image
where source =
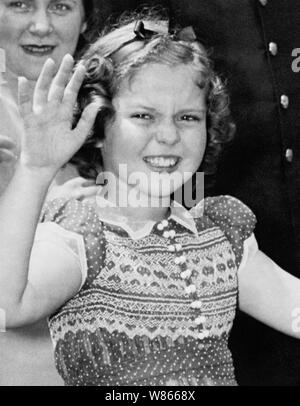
[(21, 5), (190, 118), (61, 7), (142, 116)]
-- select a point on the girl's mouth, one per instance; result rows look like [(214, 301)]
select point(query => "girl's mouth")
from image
[(38, 50), (162, 163)]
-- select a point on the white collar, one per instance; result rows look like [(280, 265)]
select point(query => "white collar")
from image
[(180, 214)]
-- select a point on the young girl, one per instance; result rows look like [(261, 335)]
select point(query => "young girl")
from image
[(137, 293)]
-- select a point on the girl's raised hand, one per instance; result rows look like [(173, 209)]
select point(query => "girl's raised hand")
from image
[(49, 141)]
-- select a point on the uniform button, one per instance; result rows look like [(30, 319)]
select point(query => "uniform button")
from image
[(289, 155), (284, 101), (273, 48), (263, 2)]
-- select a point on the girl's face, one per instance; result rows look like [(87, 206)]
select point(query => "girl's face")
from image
[(159, 128), (33, 30)]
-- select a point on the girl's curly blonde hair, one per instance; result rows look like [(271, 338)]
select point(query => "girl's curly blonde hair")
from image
[(118, 54)]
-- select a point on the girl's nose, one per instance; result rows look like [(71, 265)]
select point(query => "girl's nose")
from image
[(168, 133), (41, 24)]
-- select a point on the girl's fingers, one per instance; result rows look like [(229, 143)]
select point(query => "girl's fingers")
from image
[(87, 120), (41, 90), (72, 89), (61, 79), (24, 96)]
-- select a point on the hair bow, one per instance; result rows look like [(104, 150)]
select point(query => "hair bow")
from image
[(142, 34), (186, 34)]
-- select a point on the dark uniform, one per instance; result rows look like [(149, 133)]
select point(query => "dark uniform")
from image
[(253, 45)]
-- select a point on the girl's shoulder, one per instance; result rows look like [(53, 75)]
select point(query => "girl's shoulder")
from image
[(235, 220), (75, 225), (228, 213), (71, 214)]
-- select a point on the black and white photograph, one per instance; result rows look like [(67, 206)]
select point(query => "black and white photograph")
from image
[(149, 195)]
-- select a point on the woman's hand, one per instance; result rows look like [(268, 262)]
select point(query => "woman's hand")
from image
[(49, 141), (7, 148), (76, 188)]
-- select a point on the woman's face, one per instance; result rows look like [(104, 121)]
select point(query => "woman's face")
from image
[(159, 128), (33, 30)]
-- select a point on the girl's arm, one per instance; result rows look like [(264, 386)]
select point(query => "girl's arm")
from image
[(269, 294), (48, 144), (34, 279)]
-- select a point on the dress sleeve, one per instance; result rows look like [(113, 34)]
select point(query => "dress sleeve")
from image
[(250, 249), (236, 221), (72, 243), (81, 219), (72, 215), (64, 212)]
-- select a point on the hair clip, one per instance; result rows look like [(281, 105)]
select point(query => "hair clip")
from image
[(141, 34)]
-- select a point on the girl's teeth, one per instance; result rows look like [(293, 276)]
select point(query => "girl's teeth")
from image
[(162, 162)]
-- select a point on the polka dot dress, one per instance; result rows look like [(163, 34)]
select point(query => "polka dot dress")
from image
[(156, 310)]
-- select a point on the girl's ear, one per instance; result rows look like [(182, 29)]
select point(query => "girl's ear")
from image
[(83, 28), (99, 144)]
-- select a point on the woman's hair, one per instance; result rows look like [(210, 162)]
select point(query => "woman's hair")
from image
[(121, 52), (89, 8), (91, 19)]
